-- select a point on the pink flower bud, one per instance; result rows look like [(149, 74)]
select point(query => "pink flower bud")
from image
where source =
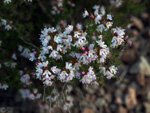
[(61, 22), (83, 73), (94, 33), (86, 52), (130, 43), (11, 22), (35, 52), (66, 78), (33, 49), (83, 48), (126, 37), (40, 105), (32, 73), (92, 16)]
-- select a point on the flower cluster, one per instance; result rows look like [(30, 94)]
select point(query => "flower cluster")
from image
[(27, 94), (7, 1), (25, 52), (69, 52), (116, 3), (6, 24), (58, 6), (3, 86), (25, 79), (28, 0)]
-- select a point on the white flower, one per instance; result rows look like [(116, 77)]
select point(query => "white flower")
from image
[(102, 10), (96, 7), (13, 64), (8, 27), (28, 0), (55, 70), (77, 34), (26, 53), (45, 50), (32, 57), (7, 1), (109, 74), (14, 56), (4, 86), (85, 14), (101, 28), (96, 12), (45, 64), (103, 70), (109, 17), (97, 19), (47, 73), (68, 29), (3, 22), (25, 79), (104, 52), (120, 32), (50, 47), (116, 41), (54, 54), (116, 3), (63, 76), (52, 30), (57, 39), (46, 40), (113, 69), (59, 47), (20, 48), (42, 57), (79, 26), (101, 44), (68, 66), (109, 24)]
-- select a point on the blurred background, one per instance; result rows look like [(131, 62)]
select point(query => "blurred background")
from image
[(128, 94)]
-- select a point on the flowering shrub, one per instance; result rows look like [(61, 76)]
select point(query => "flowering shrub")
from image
[(86, 54)]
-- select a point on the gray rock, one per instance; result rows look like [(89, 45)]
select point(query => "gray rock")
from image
[(100, 102), (148, 96), (108, 97), (130, 98), (137, 22), (138, 108), (122, 109), (91, 89), (122, 86), (118, 101), (147, 107), (140, 66), (84, 104), (101, 92), (118, 92), (113, 107), (134, 85)]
